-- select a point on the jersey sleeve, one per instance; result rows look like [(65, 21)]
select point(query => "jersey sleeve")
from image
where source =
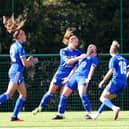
[(21, 52), (95, 61), (112, 63), (63, 54)]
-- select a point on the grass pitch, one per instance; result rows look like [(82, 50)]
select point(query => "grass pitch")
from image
[(73, 120)]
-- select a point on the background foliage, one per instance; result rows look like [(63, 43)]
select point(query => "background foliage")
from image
[(95, 22)]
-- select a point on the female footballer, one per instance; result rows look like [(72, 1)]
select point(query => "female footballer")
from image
[(79, 80), (118, 70), (18, 62), (69, 57)]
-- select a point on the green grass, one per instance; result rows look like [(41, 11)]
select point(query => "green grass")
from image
[(73, 120)]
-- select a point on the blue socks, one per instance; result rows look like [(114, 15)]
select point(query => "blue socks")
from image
[(3, 97), (105, 102), (45, 99), (18, 107), (101, 108), (62, 104), (108, 103), (85, 102)]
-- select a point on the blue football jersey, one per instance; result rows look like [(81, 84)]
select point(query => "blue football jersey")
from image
[(120, 66), (85, 64), (64, 69), (16, 53)]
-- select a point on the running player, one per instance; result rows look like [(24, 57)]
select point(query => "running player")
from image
[(69, 57), (79, 80), (117, 68), (18, 62)]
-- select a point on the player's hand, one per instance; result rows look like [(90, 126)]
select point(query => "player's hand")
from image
[(82, 56), (30, 58), (101, 84), (65, 80), (35, 60)]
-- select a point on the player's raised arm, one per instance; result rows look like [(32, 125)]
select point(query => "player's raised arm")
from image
[(71, 60), (75, 59)]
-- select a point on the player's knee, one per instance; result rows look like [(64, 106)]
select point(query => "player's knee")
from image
[(23, 96), (52, 90), (101, 99)]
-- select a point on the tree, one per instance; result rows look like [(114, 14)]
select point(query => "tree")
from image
[(95, 22)]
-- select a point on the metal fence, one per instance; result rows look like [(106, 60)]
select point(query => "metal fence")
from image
[(38, 78)]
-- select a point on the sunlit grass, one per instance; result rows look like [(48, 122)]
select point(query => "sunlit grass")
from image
[(73, 120)]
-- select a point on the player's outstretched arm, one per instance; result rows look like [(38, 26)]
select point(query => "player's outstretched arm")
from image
[(72, 60), (106, 77), (75, 59)]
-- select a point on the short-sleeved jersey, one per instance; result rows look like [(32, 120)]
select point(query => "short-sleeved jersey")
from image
[(120, 66), (85, 64), (64, 69), (16, 53)]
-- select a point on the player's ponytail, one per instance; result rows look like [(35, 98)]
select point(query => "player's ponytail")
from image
[(13, 24), (67, 36)]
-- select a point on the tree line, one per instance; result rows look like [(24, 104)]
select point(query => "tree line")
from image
[(94, 21)]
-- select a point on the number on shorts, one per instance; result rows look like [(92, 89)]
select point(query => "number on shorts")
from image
[(122, 65)]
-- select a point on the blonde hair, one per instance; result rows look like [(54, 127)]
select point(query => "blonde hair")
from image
[(13, 24), (67, 36), (115, 45)]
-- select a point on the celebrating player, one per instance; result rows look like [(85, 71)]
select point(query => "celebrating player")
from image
[(79, 80), (69, 57), (18, 62), (117, 68)]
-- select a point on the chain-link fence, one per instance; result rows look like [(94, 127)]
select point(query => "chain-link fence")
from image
[(38, 78)]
